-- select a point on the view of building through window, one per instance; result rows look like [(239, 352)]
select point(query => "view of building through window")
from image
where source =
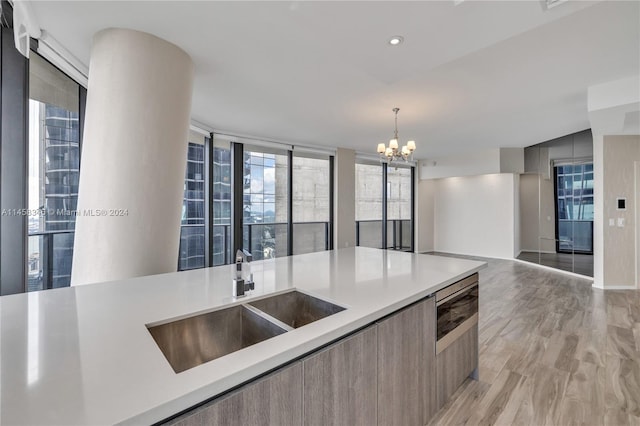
[(54, 166), (192, 230), (265, 203), (311, 208), (399, 208), (221, 231), (370, 201), (574, 189), (369, 205)]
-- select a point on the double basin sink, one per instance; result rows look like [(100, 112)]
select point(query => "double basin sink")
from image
[(192, 341)]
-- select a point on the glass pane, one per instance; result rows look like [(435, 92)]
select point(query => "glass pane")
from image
[(369, 205), (265, 203), (310, 237), (575, 208), (54, 170), (221, 229), (192, 253), (311, 189), (399, 208)]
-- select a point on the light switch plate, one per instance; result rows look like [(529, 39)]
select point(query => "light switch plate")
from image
[(612, 222), (621, 222)]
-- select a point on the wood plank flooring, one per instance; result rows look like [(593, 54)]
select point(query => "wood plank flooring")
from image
[(553, 351)]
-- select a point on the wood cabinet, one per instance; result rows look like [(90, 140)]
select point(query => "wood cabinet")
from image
[(275, 400), (456, 363), (386, 374), (340, 382), (406, 366)]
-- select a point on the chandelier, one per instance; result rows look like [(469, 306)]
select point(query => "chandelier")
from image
[(391, 152)]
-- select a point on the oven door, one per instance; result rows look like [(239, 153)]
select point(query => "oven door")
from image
[(457, 313)]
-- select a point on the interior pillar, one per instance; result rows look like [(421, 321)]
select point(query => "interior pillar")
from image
[(133, 158), (344, 231)]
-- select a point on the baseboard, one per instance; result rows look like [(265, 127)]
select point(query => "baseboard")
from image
[(619, 287)]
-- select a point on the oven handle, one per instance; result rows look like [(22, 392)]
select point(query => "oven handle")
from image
[(456, 287), (457, 293)]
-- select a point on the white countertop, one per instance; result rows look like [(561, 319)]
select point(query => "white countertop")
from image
[(83, 355)]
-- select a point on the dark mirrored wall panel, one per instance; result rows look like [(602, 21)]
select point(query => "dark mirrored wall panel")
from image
[(556, 204)]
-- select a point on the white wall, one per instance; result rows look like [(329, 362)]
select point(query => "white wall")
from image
[(476, 215), (425, 193), (489, 161)]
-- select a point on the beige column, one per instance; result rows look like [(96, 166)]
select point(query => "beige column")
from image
[(344, 199), (133, 158)]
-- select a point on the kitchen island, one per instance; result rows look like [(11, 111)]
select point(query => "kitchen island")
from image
[(84, 355)]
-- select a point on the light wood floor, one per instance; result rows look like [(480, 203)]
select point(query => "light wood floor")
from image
[(553, 351)]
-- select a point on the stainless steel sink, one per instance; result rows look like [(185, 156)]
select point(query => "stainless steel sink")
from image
[(296, 309), (192, 341)]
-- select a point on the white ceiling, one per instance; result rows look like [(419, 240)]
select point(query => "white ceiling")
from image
[(468, 77)]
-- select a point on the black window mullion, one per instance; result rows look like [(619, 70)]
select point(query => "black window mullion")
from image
[(413, 209), (331, 201), (290, 203), (237, 190), (208, 201), (384, 205)]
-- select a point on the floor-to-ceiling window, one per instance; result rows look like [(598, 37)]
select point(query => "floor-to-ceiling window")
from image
[(221, 221), (265, 202), (54, 168), (399, 207), (369, 204), (311, 206), (384, 205), (192, 229)]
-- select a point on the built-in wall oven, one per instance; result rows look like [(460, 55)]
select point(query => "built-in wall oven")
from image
[(457, 311)]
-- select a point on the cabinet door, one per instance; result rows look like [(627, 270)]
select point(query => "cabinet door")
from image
[(406, 366), (456, 363), (273, 400), (340, 382)]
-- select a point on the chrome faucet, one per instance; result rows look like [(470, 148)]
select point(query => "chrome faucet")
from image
[(242, 282)]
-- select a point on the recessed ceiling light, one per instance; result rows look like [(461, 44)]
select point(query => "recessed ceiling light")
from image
[(396, 40)]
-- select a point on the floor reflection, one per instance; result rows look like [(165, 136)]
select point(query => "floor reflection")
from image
[(579, 263)]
